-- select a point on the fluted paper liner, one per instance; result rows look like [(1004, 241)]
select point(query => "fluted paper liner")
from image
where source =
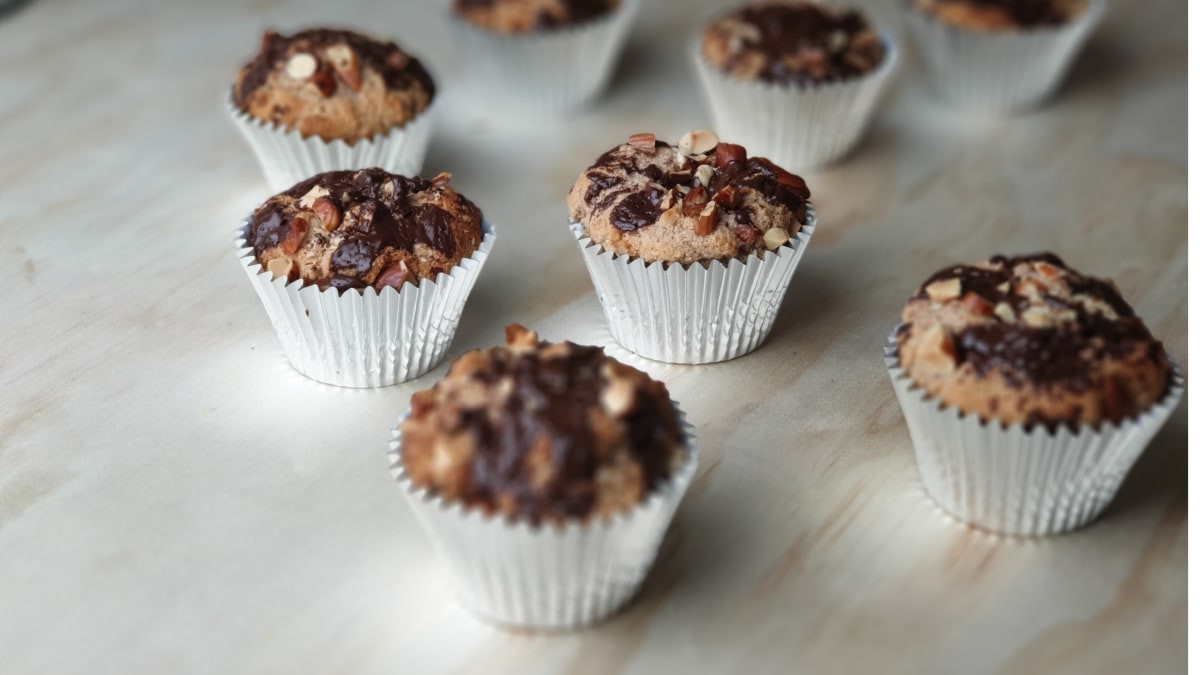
[(550, 578), (1010, 480), (797, 126), (998, 71), (693, 314), (543, 72), (287, 158), (364, 337)]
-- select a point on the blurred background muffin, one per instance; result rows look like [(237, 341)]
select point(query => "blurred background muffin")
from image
[(324, 100)]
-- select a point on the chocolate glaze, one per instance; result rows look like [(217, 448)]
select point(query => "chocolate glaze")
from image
[(1065, 354), (575, 11), (398, 70), (550, 401), (386, 219), (786, 31)]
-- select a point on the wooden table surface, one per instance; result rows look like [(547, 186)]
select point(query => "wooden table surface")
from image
[(175, 499)]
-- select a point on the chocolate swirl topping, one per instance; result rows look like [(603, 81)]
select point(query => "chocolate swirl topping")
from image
[(546, 400), (807, 43), (1064, 354), (384, 217), (1026, 13), (398, 70), (572, 11)]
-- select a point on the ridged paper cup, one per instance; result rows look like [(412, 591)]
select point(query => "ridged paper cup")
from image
[(364, 337), (998, 71), (544, 72), (693, 313), (798, 126), (1018, 481), (548, 577), (287, 158)]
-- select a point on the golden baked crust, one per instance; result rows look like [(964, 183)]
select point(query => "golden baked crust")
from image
[(792, 42), (354, 229), (988, 15), (1028, 340), (527, 16), (695, 201), (333, 84), (542, 432)]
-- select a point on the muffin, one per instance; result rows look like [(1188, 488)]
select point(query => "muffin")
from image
[(1029, 389), (999, 55), (546, 474), (326, 99), (716, 235), (539, 56), (364, 273), (798, 80)]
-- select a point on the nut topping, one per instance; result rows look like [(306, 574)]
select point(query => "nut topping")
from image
[(441, 179), (776, 237), (329, 213), (728, 197), (644, 142), (944, 290), (694, 203), (697, 142), (395, 276), (730, 152), (280, 267), (345, 65), (301, 66), (704, 174), (975, 304), (312, 195), (297, 227), (1004, 312), (707, 221)]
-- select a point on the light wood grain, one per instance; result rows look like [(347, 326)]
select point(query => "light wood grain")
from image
[(173, 498)]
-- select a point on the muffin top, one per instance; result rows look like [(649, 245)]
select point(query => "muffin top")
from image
[(528, 16), (334, 84), (354, 229), (542, 432), (792, 42), (1002, 14), (1028, 340), (698, 200)]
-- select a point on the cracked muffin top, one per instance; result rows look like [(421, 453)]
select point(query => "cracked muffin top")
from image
[(1028, 340), (366, 228), (542, 433), (335, 84), (698, 200), (792, 42), (529, 16)]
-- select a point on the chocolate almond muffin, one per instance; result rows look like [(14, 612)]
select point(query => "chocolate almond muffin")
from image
[(542, 432), (1002, 14), (698, 200), (792, 43), (527, 16), (366, 228), (334, 84), (1028, 340)]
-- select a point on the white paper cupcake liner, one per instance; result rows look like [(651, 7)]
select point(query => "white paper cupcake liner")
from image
[(366, 338), (1015, 481), (545, 72), (798, 126), (548, 578), (693, 314), (287, 158), (998, 71)]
